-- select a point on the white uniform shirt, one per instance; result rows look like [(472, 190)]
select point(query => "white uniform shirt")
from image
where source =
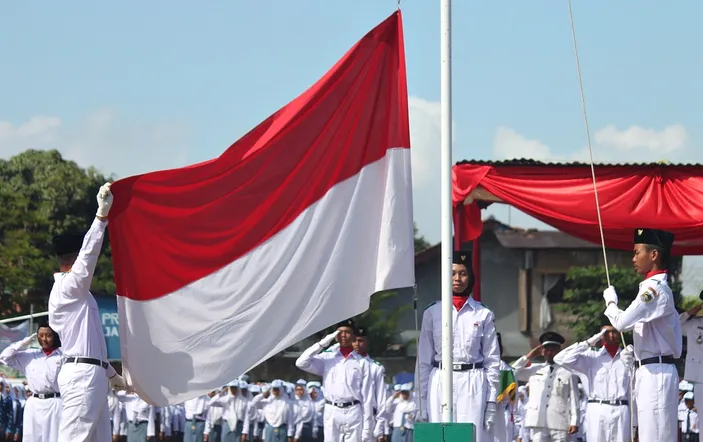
[(653, 319), (344, 379), (608, 378), (278, 411), (196, 408), (403, 412), (304, 414), (234, 408), (475, 341), (214, 417), (689, 423), (692, 328), (42, 371), (137, 411), (73, 312), (554, 401), (378, 391)]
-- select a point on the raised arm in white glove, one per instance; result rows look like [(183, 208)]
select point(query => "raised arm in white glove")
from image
[(26, 342), (327, 340), (489, 416), (627, 356), (104, 201), (595, 339), (609, 295)]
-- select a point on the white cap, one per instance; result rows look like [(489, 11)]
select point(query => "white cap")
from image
[(265, 388), (255, 389), (685, 386), (396, 387), (277, 383), (688, 396), (302, 382), (406, 387)]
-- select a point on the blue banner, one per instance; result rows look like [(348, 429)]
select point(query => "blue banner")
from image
[(107, 304)]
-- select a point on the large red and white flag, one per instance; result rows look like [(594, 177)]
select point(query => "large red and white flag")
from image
[(223, 264)]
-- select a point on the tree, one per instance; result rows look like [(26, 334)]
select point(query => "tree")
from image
[(41, 194), (420, 241), (583, 295)]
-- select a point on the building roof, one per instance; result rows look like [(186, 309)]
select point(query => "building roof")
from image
[(514, 238), (541, 239), (530, 162)]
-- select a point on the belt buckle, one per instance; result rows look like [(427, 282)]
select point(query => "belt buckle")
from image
[(456, 367), (40, 395), (612, 402)]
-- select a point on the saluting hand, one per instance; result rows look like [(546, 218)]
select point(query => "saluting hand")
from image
[(694, 311)]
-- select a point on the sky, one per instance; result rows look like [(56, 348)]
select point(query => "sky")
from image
[(131, 87)]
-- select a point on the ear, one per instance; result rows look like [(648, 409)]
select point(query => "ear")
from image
[(654, 254)]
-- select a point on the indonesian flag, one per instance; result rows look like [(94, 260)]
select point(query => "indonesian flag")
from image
[(223, 264)]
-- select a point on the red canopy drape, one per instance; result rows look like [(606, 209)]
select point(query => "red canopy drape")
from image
[(661, 196)]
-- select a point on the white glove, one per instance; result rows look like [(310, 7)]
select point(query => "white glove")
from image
[(627, 356), (117, 382), (26, 342), (104, 201), (489, 416), (610, 295), (593, 340), (327, 340)]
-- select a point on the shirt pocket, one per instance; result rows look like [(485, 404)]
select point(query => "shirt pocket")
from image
[(475, 340)]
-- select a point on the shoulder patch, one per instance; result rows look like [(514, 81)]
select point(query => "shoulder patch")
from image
[(431, 304), (646, 296)]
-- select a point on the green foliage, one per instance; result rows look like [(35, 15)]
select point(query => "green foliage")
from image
[(688, 302), (420, 241), (583, 295), (381, 325), (41, 194)]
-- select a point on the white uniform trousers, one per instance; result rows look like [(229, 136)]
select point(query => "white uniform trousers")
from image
[(41, 420), (657, 393), (698, 394), (503, 428), (85, 415), (547, 435), (343, 424), (469, 399), (607, 423)]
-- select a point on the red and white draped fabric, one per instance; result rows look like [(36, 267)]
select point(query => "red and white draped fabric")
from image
[(223, 264)]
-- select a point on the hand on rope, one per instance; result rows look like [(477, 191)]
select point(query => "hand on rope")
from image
[(610, 295), (627, 356)]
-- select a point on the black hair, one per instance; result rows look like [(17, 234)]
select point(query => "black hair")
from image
[(664, 255)]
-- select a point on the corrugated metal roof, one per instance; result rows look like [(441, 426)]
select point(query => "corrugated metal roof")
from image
[(530, 162)]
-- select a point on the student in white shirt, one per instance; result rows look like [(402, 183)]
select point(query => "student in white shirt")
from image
[(85, 376), (689, 422)]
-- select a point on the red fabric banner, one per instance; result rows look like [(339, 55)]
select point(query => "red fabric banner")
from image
[(651, 196)]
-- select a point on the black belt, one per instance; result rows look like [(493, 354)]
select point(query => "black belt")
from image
[(656, 360), (46, 395), (608, 402), (138, 422), (196, 419), (89, 361), (459, 367), (343, 404)]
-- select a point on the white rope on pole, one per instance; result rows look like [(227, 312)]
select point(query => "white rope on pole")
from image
[(595, 187)]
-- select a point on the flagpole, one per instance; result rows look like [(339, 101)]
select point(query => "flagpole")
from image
[(446, 197)]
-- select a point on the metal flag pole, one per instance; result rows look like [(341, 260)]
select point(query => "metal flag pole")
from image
[(446, 197)]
